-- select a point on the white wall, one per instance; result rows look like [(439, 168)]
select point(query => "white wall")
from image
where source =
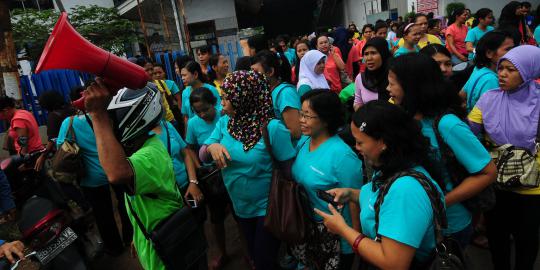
[(354, 12), (204, 10), (69, 4)]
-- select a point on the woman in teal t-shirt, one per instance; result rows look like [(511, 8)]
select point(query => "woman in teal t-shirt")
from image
[(411, 36), (391, 141), (199, 129), (415, 85), (489, 50), (285, 99), (193, 78), (483, 21), (324, 162), (238, 147)]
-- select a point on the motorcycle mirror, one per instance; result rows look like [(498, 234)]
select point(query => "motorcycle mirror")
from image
[(460, 67), (5, 163)]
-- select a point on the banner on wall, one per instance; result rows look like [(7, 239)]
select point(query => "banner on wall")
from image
[(427, 6)]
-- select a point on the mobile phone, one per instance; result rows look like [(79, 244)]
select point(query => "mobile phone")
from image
[(327, 198), (192, 203)]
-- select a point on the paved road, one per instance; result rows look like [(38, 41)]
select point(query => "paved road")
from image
[(479, 259)]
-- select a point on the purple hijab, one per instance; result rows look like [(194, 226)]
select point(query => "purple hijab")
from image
[(512, 116)]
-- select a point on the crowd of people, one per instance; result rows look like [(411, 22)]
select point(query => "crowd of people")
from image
[(405, 125)]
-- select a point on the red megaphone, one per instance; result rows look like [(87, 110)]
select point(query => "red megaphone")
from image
[(67, 49)]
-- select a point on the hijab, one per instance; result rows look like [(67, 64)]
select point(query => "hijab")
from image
[(512, 116), (377, 80), (307, 73), (249, 94), (341, 40)]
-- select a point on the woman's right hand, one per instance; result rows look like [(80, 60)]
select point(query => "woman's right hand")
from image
[(341, 195), (219, 154)]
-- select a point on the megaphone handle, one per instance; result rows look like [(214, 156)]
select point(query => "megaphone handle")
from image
[(112, 87)]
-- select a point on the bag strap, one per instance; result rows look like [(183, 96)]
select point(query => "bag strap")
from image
[(168, 139), (266, 138), (71, 131), (89, 121), (439, 212), (138, 220), (469, 97)]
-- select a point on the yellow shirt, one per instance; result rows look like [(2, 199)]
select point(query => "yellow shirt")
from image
[(162, 87), (431, 39), (476, 116), (218, 87)]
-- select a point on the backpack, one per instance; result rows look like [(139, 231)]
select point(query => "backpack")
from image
[(67, 164), (481, 202), (448, 254)]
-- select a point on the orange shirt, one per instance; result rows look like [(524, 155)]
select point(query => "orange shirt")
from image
[(25, 119), (331, 71)]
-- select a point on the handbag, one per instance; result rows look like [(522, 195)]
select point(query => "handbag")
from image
[(288, 214), (481, 202), (517, 167), (67, 164), (211, 182), (179, 239), (448, 254)]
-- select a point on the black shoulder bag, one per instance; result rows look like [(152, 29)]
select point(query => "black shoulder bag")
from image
[(179, 239), (481, 202), (448, 254)]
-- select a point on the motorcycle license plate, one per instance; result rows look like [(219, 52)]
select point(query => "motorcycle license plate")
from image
[(48, 253)]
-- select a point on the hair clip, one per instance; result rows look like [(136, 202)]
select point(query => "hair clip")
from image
[(363, 126)]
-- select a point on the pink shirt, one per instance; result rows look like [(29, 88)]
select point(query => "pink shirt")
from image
[(459, 34), (24, 119), (361, 94)]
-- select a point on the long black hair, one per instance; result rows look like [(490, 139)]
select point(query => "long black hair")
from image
[(406, 146), (194, 67), (204, 95), (425, 89), (481, 14), (509, 22), (276, 61), (377, 80), (491, 41), (457, 12)]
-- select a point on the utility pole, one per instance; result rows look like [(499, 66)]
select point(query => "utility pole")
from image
[(9, 74)]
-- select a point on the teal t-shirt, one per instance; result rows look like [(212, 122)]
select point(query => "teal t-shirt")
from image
[(405, 216), (186, 106), (474, 35), (402, 50), (248, 175), (483, 80), (303, 89), (537, 35), (332, 165), (468, 151), (285, 96), (85, 138), (172, 87), (199, 130), (177, 144), (153, 174)]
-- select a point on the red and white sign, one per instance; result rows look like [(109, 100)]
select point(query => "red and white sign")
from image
[(427, 6)]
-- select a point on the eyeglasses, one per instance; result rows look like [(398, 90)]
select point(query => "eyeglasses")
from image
[(308, 117)]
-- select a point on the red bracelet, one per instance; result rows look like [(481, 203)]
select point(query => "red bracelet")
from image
[(357, 243)]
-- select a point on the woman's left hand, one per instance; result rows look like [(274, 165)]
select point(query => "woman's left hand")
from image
[(334, 222), (194, 192)]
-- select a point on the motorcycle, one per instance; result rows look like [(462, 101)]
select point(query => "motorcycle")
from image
[(43, 220)]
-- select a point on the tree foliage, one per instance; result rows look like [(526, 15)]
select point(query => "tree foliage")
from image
[(102, 26)]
